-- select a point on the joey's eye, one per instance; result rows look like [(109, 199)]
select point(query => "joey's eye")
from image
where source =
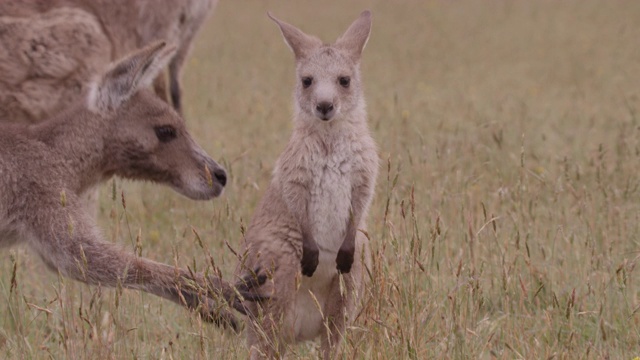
[(165, 133), (344, 81), (307, 81)]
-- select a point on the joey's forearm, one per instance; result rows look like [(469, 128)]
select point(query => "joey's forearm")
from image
[(310, 251), (297, 198), (345, 257), (346, 253)]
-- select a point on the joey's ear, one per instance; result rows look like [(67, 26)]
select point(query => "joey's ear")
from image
[(300, 43), (356, 36), (128, 75)]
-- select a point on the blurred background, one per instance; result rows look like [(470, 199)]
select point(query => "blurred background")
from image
[(505, 223)]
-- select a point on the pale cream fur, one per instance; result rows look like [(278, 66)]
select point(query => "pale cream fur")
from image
[(49, 48), (122, 129), (305, 232)]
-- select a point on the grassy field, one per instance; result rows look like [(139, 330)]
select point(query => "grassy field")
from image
[(507, 214)]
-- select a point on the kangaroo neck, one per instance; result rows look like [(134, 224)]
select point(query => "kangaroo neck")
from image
[(76, 141)]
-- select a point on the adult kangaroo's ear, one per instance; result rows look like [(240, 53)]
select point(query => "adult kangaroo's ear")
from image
[(128, 75), (300, 43), (355, 38)]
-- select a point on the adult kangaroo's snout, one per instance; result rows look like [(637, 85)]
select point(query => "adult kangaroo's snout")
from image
[(217, 173), (206, 182), (220, 175)]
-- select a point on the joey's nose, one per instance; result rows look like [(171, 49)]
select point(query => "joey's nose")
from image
[(324, 108), (221, 176)]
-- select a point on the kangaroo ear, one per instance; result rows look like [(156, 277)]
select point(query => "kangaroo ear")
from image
[(300, 43), (355, 38), (128, 75)]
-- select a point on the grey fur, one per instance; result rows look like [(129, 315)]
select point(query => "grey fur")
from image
[(305, 230), (47, 167), (71, 39)]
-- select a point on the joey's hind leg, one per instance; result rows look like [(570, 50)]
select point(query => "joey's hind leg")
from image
[(263, 337), (338, 312), (342, 302), (268, 330)]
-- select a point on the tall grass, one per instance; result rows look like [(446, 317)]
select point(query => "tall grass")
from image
[(506, 220)]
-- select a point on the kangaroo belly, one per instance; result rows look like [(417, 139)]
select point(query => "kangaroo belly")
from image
[(305, 319), (309, 306)]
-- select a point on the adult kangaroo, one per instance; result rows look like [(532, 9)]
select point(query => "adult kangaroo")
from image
[(118, 128)]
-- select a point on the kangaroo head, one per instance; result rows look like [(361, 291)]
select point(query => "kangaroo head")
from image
[(328, 75), (144, 138)]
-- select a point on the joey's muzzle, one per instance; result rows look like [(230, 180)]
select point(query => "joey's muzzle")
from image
[(325, 110)]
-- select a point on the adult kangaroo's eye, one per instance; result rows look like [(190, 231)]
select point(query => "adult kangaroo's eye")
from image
[(165, 133), (344, 81), (307, 81)]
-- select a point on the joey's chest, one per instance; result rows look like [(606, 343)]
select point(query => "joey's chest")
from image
[(331, 170), (331, 183)]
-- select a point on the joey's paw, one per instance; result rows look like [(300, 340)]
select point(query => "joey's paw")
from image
[(251, 282), (344, 260), (248, 287), (221, 317), (309, 262)]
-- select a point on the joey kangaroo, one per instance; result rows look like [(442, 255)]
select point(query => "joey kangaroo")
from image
[(119, 128), (307, 222)]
